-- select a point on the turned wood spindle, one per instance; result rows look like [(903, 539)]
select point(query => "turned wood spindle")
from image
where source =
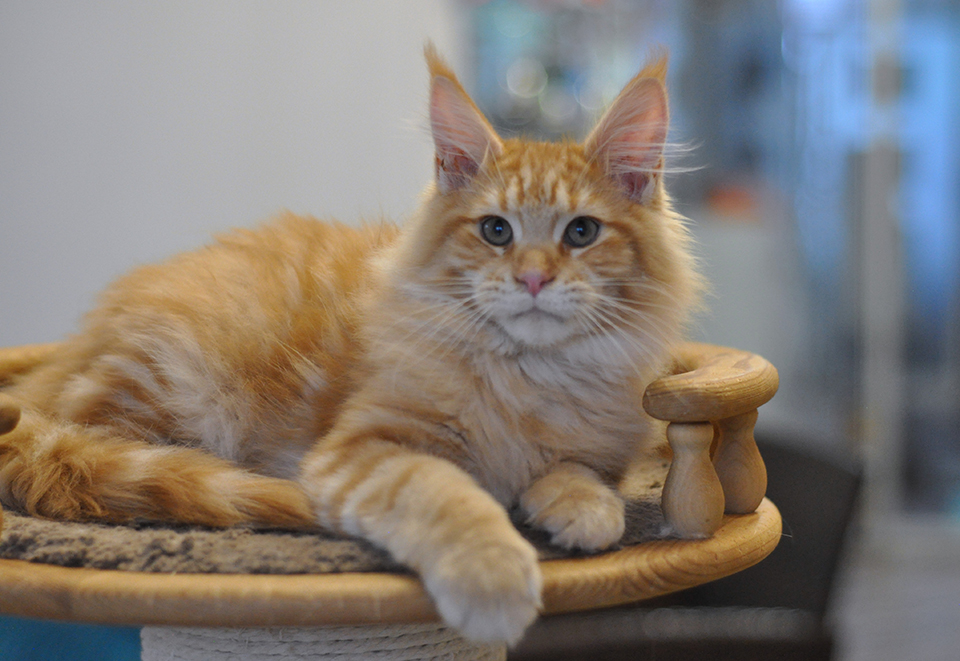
[(739, 466), (692, 498)]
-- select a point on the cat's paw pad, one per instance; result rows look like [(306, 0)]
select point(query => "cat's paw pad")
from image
[(589, 517), (490, 592)]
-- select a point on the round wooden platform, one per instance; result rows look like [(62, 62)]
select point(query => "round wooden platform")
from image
[(226, 600), (709, 383)]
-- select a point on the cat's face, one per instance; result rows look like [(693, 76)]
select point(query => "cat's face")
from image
[(543, 248), (542, 244)]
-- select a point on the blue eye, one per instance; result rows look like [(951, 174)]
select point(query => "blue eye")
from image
[(581, 232), (496, 230)]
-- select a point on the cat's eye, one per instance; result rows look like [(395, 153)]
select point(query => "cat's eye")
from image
[(496, 230), (581, 232)]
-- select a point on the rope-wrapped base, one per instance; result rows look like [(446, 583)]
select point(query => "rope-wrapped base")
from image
[(400, 642)]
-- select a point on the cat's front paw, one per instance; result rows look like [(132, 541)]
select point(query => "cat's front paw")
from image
[(577, 510), (489, 591)]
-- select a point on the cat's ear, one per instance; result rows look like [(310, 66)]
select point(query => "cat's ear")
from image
[(461, 133), (628, 140)]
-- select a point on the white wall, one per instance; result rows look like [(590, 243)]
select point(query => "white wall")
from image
[(130, 130)]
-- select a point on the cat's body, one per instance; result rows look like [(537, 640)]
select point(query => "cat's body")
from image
[(414, 382)]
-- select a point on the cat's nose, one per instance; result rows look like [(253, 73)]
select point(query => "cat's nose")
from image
[(534, 281)]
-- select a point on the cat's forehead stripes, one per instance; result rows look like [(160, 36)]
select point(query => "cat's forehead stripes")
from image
[(531, 175)]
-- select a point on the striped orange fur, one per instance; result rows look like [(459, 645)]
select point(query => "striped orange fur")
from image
[(407, 385)]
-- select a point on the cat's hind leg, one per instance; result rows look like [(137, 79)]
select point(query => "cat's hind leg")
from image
[(432, 516), (63, 470), (573, 504)]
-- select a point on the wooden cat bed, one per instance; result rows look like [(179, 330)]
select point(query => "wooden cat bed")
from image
[(710, 403)]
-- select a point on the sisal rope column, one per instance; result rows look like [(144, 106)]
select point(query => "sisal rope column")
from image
[(403, 642)]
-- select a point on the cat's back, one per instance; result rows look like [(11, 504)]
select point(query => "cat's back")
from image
[(285, 264), (291, 280), (253, 337)]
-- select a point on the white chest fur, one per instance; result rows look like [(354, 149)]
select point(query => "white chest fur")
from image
[(533, 410)]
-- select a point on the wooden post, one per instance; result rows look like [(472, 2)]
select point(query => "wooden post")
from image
[(692, 498), (739, 465)]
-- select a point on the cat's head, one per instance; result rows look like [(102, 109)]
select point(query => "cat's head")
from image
[(535, 245)]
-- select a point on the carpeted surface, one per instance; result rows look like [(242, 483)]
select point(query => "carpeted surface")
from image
[(161, 548)]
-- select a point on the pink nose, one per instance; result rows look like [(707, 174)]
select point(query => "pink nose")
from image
[(534, 280)]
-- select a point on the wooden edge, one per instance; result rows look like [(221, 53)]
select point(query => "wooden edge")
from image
[(713, 383), (135, 598), (656, 568), (16, 360)]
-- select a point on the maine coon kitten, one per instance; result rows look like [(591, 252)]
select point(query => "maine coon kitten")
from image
[(404, 385)]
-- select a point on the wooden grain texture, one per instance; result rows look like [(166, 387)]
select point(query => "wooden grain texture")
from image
[(739, 466), (132, 598), (693, 498), (711, 383)]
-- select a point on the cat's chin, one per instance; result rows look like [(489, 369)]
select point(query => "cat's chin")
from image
[(537, 329)]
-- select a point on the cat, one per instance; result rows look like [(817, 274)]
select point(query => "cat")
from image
[(406, 385)]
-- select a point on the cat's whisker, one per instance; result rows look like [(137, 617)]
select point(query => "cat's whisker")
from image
[(633, 306), (650, 348), (646, 351), (657, 290), (448, 323), (437, 323), (642, 283), (458, 337), (618, 320), (596, 317), (623, 315)]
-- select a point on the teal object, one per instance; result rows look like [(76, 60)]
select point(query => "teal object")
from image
[(23, 639)]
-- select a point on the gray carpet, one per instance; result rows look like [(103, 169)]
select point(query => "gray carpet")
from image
[(185, 549)]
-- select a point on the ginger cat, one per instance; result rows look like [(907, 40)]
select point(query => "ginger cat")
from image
[(404, 385)]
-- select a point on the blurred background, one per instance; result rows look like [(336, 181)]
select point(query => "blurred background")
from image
[(821, 138)]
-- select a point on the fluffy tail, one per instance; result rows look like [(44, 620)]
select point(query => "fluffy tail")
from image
[(61, 470)]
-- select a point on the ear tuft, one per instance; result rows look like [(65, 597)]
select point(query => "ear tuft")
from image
[(461, 133), (629, 138), (656, 65), (436, 64)]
